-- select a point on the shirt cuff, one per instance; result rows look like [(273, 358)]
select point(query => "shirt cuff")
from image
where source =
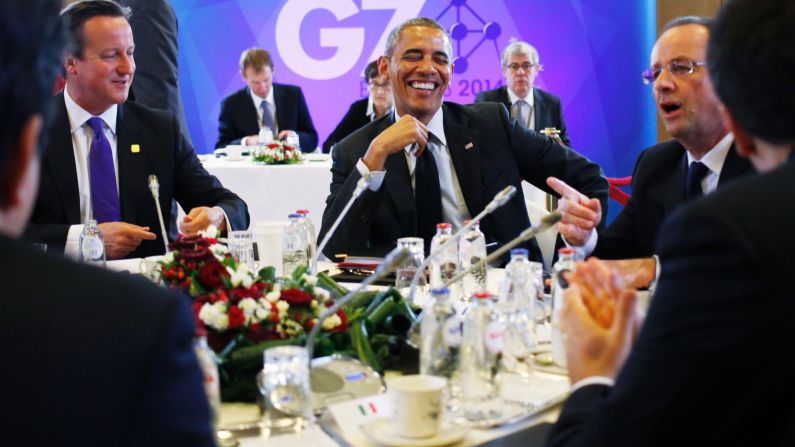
[(71, 248), (593, 380), (589, 245), (376, 178), (226, 220)]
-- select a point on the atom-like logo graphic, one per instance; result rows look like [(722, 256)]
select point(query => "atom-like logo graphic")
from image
[(459, 31)]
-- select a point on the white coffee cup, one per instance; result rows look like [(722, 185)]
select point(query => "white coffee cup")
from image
[(234, 152), (268, 236), (416, 405)]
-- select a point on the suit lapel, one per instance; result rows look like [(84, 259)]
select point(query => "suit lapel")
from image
[(131, 164), (398, 184), (506, 99), (60, 157), (464, 151), (281, 108), (539, 111)]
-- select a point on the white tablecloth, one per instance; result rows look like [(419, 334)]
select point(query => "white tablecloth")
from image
[(273, 192)]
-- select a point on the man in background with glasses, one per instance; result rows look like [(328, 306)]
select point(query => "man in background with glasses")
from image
[(531, 106), (700, 157), (377, 103)]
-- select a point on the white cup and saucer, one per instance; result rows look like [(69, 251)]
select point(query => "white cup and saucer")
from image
[(234, 153), (417, 418)]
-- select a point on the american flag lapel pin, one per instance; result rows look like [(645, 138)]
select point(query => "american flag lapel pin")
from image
[(135, 148)]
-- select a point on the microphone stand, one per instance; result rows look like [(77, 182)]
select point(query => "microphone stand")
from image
[(361, 186), (154, 186), (499, 200), (391, 261)]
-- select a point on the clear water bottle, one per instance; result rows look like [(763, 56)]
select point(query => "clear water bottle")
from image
[(208, 364), (311, 234), (265, 135), (473, 384), (471, 250), (565, 264), (294, 245), (440, 336), (92, 244), (517, 308), (444, 264)]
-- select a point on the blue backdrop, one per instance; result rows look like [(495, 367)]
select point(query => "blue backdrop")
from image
[(592, 50)]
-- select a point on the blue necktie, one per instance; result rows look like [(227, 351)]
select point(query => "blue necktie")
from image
[(695, 174), (104, 196), (267, 116)]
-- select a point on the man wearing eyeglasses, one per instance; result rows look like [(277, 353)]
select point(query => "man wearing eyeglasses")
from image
[(365, 110), (700, 157), (531, 106)]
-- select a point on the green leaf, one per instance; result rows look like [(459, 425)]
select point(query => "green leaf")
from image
[(268, 274)]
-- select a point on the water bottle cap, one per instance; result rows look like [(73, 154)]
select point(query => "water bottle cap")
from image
[(519, 251), (293, 216), (440, 291), (566, 251), (302, 211), (443, 225), (481, 295)]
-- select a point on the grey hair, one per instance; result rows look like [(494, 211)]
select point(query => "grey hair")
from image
[(706, 22), (519, 47), (426, 22)]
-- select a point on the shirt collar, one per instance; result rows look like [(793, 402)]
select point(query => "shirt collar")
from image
[(528, 99), (715, 157), (78, 115), (258, 100), (435, 126)]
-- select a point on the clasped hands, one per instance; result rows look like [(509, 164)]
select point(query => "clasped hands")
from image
[(122, 238), (253, 140)]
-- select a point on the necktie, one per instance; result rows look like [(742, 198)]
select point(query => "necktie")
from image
[(427, 195), (695, 174), (102, 173), (520, 112), (267, 116)]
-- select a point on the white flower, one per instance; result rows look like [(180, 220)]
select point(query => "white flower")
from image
[(211, 231), (262, 313), (282, 307), (310, 279), (322, 294), (248, 306), (214, 315), (273, 295), (331, 322), (277, 286), (313, 304), (219, 250), (169, 257), (241, 276)]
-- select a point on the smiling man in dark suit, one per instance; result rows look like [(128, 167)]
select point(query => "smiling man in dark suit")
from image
[(663, 178), (711, 365), (102, 149), (99, 358), (263, 103), (434, 162), (531, 106)]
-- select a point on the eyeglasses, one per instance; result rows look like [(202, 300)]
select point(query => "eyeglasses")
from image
[(375, 86), (514, 67), (679, 67)]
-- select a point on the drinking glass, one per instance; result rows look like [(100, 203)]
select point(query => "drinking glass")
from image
[(406, 270), (241, 247), (284, 384)]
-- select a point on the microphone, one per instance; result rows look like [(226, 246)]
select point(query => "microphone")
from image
[(154, 186), (546, 223), (499, 200), (391, 261), (361, 186)]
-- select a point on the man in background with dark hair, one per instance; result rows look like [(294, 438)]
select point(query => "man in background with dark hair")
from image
[(699, 159), (263, 103), (377, 104), (93, 357), (102, 150), (711, 364)]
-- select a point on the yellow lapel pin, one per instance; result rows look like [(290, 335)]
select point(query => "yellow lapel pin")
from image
[(135, 148)]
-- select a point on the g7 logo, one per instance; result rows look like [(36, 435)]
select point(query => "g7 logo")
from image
[(349, 42)]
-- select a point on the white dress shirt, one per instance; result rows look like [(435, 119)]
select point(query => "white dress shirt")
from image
[(454, 209), (529, 108), (258, 107)]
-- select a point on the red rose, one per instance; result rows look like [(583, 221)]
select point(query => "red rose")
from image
[(343, 326), (211, 275), (236, 317), (295, 296)]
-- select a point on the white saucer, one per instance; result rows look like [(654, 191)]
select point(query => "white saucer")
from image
[(380, 432)]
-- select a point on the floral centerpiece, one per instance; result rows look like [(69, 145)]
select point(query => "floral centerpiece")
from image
[(243, 313), (277, 153)]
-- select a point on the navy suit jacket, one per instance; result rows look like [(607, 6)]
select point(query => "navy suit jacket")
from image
[(238, 116), (163, 151), (546, 108), (711, 365), (658, 187), (489, 151), (354, 118), (99, 358)]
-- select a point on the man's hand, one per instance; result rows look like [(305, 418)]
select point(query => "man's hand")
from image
[(251, 140), (580, 214), (637, 273), (122, 238), (591, 348), (200, 218), (407, 130), (286, 133)]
